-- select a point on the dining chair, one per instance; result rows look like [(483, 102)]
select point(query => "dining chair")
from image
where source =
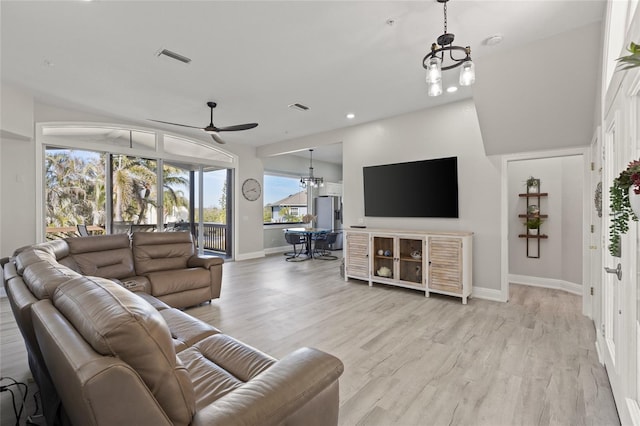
[(82, 230), (322, 247), (296, 240)]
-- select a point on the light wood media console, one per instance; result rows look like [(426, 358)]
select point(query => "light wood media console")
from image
[(433, 262)]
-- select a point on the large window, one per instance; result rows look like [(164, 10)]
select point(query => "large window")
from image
[(284, 200), (117, 180), (134, 191), (74, 188)]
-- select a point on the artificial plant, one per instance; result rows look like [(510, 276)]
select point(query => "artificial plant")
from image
[(621, 211)]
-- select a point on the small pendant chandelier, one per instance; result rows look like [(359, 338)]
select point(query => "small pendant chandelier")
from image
[(434, 61), (311, 181)]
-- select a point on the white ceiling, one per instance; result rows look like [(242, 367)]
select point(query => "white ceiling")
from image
[(256, 58)]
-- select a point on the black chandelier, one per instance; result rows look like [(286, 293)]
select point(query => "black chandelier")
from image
[(311, 180), (434, 61)]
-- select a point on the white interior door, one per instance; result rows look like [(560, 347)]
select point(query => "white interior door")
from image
[(595, 240), (620, 313), (611, 284)]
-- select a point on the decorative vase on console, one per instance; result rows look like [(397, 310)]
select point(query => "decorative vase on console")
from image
[(308, 218)]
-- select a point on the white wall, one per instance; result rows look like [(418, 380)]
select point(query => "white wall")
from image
[(18, 209), (560, 254), (449, 130), (541, 96), (295, 165), (16, 113)]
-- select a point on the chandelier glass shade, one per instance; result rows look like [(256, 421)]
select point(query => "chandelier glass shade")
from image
[(311, 181), (445, 56)]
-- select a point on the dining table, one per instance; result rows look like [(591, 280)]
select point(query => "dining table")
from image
[(310, 235)]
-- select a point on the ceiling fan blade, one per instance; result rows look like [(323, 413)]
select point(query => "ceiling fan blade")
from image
[(217, 138), (176, 124), (238, 127)]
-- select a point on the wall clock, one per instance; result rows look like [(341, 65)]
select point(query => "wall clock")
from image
[(251, 189)]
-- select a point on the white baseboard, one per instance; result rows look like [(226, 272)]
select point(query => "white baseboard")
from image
[(567, 286), (248, 256), (599, 352), (487, 294), (275, 250)]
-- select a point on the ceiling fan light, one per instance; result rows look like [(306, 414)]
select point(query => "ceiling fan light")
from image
[(435, 89), (467, 73), (434, 70)]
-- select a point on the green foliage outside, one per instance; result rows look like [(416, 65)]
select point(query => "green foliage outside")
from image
[(75, 189)]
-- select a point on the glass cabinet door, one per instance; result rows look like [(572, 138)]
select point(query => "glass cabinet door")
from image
[(410, 260), (383, 255)]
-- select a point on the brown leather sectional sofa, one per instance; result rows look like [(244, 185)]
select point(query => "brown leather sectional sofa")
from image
[(103, 354)]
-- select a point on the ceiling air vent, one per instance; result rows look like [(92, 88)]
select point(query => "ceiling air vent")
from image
[(299, 107), (173, 55)]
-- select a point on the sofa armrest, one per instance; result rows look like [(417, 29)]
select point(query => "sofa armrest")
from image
[(278, 392), (205, 262)]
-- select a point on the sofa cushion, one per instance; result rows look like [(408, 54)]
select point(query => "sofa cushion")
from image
[(220, 364), (161, 251), (179, 280), (185, 329), (58, 248), (116, 322), (30, 255), (44, 277), (107, 256)]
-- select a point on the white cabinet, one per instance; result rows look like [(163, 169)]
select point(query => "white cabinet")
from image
[(357, 255), (330, 189), (433, 262)]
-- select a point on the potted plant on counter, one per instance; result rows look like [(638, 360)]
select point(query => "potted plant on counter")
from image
[(624, 196)]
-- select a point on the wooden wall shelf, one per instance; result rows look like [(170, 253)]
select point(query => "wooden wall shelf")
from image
[(529, 238)]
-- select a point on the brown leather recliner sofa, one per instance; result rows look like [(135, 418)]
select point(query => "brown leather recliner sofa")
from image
[(102, 354), (163, 264)]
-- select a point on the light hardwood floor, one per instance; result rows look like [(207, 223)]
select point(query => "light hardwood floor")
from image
[(410, 360)]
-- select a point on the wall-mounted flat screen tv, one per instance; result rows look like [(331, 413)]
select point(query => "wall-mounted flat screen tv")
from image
[(427, 188)]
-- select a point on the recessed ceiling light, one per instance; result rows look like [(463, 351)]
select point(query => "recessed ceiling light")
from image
[(493, 40), (452, 89), (351, 116)]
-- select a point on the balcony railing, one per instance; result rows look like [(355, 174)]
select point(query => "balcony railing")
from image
[(214, 238)]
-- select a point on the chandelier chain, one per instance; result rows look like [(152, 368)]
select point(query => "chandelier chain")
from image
[(445, 18)]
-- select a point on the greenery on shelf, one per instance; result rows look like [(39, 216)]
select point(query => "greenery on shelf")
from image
[(531, 181), (620, 206), (630, 61), (534, 222)]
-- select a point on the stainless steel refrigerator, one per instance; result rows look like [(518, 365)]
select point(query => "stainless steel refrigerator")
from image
[(328, 210)]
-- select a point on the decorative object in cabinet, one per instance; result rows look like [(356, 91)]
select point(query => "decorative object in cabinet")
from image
[(384, 258), (533, 217)]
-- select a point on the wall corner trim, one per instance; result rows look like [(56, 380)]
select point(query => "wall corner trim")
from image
[(552, 283), (488, 294), (252, 255)]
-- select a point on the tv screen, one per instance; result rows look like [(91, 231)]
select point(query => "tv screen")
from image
[(427, 188)]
